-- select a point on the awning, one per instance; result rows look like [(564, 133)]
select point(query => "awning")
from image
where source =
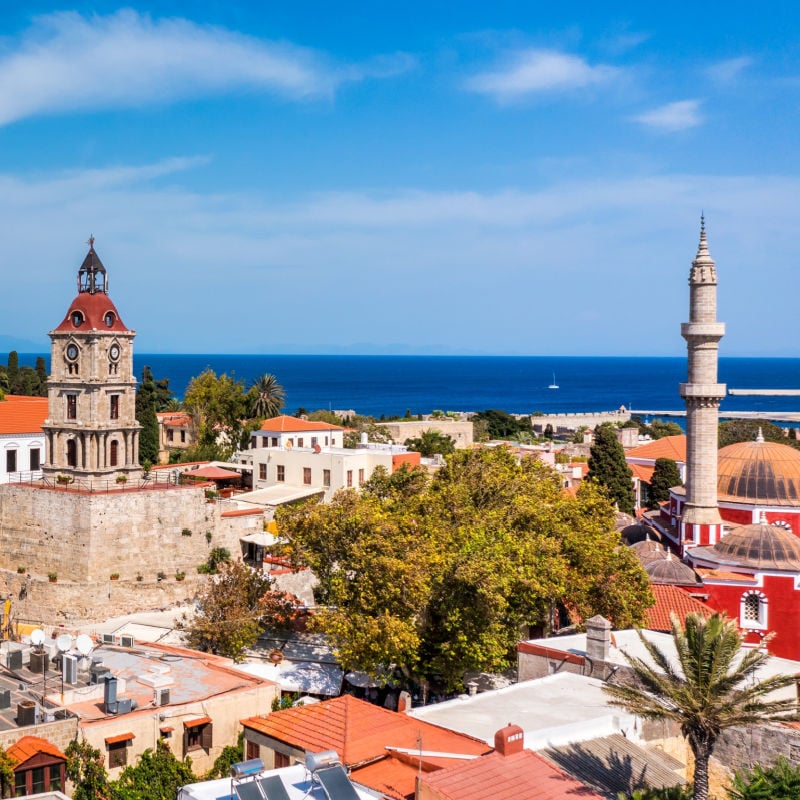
[(212, 473), (278, 494), (122, 737), (166, 729), (196, 723), (260, 538)]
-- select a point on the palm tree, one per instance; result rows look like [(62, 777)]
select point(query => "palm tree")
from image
[(268, 396), (714, 689)]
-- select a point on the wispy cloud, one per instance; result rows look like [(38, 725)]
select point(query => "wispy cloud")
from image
[(535, 71), (66, 61), (677, 116), (729, 70)]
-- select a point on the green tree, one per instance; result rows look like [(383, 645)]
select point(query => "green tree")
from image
[(7, 765), (157, 775), (266, 397), (323, 415), (231, 754), (407, 481), (665, 475), (746, 430), (608, 468), (501, 424), (715, 687), (369, 425), (41, 373), (87, 772), (218, 407), (497, 546), (430, 442), (781, 781), (232, 610), (13, 372), (146, 416)]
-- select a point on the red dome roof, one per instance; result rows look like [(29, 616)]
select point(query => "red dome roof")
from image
[(759, 472), (95, 310)]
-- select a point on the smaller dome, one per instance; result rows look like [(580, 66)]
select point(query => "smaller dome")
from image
[(761, 546), (635, 533), (759, 472), (670, 570), (648, 550)]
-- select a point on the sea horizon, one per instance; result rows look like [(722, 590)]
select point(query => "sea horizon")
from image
[(419, 384)]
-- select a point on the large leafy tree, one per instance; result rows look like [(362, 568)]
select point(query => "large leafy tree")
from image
[(501, 424), (266, 397), (86, 770), (665, 475), (218, 406), (713, 687), (608, 468), (441, 575), (157, 775), (746, 430)]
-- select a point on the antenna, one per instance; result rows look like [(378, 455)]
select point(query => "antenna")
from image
[(64, 642), (84, 644), (37, 637)]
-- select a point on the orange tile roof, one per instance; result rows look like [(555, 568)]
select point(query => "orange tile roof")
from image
[(723, 575), (29, 746), (174, 419), (242, 512), (358, 731), (642, 472), (519, 776), (21, 414), (672, 599), (673, 447), (393, 777), (286, 424), (120, 737)]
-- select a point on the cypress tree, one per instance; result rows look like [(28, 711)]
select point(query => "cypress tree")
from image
[(665, 475), (146, 416), (607, 467), (41, 371), (13, 372)]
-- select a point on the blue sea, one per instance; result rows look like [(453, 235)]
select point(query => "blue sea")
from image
[(518, 384)]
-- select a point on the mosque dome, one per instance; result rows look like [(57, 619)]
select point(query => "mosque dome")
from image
[(759, 472), (670, 570), (648, 549), (760, 546)]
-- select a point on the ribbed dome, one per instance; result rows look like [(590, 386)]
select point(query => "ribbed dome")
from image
[(759, 472), (670, 570), (762, 546), (648, 550)]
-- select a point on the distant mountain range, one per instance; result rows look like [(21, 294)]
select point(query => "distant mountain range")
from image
[(9, 343)]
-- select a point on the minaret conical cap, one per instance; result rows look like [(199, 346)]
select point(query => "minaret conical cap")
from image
[(703, 268)]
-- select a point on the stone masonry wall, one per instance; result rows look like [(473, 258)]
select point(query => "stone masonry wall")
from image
[(85, 538)]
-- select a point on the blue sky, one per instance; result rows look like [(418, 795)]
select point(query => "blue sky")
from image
[(403, 177)]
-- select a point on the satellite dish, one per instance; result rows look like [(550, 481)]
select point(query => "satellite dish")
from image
[(84, 644), (317, 448), (37, 637), (64, 642)]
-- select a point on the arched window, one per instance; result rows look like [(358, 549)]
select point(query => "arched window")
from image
[(753, 611), (72, 453), (113, 454)]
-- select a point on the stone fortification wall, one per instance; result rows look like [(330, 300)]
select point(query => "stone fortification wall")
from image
[(563, 423), (144, 536)]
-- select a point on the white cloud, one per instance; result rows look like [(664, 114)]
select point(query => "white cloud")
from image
[(535, 71), (729, 70), (66, 61), (677, 116)]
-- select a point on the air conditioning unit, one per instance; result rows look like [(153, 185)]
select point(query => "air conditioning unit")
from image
[(69, 670), (14, 659), (162, 696), (126, 640), (39, 661), (5, 698), (26, 713), (108, 638), (124, 706)]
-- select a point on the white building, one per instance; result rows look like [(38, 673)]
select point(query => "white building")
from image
[(285, 431), (21, 438)]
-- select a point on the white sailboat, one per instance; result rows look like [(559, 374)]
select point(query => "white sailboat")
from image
[(553, 385)]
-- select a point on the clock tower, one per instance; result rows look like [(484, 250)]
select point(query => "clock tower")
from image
[(91, 433)]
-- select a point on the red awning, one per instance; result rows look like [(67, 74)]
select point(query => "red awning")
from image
[(196, 723), (122, 737)]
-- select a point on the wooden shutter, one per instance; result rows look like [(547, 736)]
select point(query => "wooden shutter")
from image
[(206, 736)]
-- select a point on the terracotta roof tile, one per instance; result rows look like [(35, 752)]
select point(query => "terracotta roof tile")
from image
[(20, 414), (94, 308), (673, 447), (642, 472), (672, 599), (29, 746), (120, 737), (520, 776), (286, 424), (358, 731)]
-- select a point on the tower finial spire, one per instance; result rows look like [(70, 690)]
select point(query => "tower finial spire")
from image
[(91, 241)]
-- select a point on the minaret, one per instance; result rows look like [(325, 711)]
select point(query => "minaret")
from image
[(700, 519), (91, 434)]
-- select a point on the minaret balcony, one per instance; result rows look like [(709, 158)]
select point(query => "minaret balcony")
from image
[(705, 330), (701, 390)]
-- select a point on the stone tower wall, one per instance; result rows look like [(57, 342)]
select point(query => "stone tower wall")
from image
[(85, 538)]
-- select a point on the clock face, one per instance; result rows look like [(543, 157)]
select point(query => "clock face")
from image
[(114, 352), (72, 352)]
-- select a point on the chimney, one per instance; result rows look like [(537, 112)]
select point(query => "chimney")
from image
[(598, 638), (509, 740)]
